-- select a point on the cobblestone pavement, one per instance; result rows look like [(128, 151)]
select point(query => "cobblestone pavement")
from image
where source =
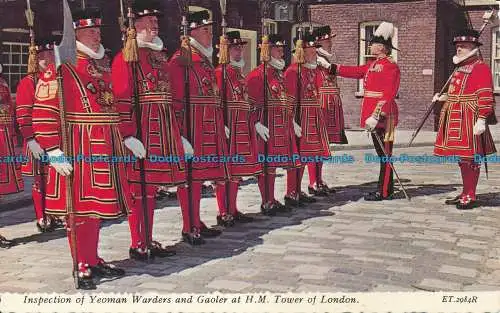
[(342, 243)]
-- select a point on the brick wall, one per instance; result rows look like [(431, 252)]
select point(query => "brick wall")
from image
[(416, 23)]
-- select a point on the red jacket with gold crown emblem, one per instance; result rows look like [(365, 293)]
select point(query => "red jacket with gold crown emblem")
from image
[(314, 139), (208, 136), (243, 135), (160, 132), (331, 104), (96, 151), (281, 143), (11, 180), (25, 98), (470, 96), (381, 85)]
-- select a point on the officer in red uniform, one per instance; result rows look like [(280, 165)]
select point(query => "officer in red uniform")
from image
[(278, 127), (25, 98), (379, 111), (468, 109), (312, 128), (99, 186), (243, 141), (160, 132), (11, 180), (207, 133), (331, 104)]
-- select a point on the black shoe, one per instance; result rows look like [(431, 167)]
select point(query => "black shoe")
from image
[(327, 189), (140, 254), (242, 218), (103, 269), (453, 201), (280, 207), (377, 196), (45, 226), (267, 209), (158, 251), (305, 198), (318, 192), (5, 243), (225, 220), (209, 232), (58, 223), (466, 204), (85, 281), (292, 202), (193, 238)]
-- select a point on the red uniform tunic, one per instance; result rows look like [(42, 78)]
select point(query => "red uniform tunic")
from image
[(25, 97), (331, 104), (208, 136), (281, 142), (160, 132), (243, 135), (381, 84), (314, 139), (470, 96), (100, 188), (10, 169)]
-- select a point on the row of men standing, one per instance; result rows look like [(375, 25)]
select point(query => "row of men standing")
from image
[(99, 104)]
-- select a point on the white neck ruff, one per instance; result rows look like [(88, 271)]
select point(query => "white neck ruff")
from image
[(322, 52), (277, 64), (240, 64), (458, 60), (324, 60), (94, 55), (156, 44), (207, 52), (311, 66)]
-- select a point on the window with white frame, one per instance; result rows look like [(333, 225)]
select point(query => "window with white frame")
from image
[(366, 31), (495, 59), (15, 62)]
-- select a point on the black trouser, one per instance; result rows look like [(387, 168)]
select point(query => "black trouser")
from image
[(385, 179)]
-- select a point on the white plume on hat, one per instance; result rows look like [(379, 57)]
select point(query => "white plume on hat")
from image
[(385, 30)]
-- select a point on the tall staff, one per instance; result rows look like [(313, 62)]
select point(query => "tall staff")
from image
[(224, 60), (33, 70), (131, 56), (265, 57), (187, 56), (66, 53), (299, 58)]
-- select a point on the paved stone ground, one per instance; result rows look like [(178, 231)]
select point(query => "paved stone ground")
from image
[(339, 244)]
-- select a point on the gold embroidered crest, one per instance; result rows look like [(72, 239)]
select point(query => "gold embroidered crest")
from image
[(106, 100), (46, 90)]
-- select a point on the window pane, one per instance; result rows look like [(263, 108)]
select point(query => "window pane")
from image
[(16, 48), (16, 59), (496, 70)]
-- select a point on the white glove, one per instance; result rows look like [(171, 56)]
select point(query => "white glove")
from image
[(228, 132), (297, 129), (188, 148), (137, 148), (58, 160), (441, 98), (479, 127), (35, 148), (323, 62), (262, 130), (371, 123)]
